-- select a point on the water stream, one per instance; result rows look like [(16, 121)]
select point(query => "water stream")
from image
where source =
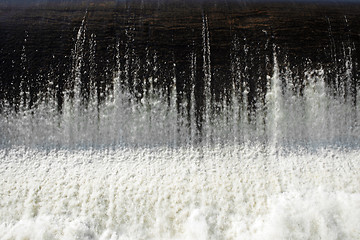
[(143, 158)]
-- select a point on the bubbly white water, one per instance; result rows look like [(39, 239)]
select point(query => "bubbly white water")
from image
[(224, 192), (128, 169)]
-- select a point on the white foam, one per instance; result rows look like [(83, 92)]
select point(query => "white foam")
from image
[(224, 192)]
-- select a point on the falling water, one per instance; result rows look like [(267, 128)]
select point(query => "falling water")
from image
[(207, 76), (137, 158)]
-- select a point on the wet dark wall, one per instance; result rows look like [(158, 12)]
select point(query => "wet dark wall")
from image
[(170, 40)]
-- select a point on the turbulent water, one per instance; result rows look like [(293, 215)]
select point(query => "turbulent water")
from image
[(222, 192), (282, 163)]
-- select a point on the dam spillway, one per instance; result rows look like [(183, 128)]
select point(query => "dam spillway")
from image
[(179, 120)]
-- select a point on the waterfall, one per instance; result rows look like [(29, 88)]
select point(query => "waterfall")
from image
[(132, 116), (191, 127), (207, 77), (274, 103)]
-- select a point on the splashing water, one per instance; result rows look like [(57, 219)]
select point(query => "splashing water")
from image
[(140, 164), (232, 192)]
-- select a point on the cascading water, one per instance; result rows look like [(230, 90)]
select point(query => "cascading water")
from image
[(148, 155)]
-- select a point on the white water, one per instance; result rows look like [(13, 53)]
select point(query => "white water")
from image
[(129, 170), (73, 177), (224, 192)]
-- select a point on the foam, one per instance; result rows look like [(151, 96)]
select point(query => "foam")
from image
[(220, 192)]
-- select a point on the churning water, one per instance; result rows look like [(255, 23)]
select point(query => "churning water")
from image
[(283, 164)]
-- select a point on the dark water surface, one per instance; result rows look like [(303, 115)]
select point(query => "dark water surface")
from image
[(37, 41)]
